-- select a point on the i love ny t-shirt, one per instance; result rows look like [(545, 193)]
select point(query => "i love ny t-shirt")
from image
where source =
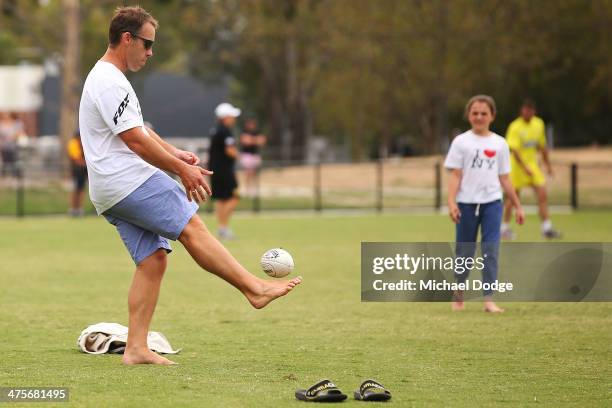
[(482, 159)]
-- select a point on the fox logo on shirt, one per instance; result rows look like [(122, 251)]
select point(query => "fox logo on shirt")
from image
[(121, 108), (488, 160)]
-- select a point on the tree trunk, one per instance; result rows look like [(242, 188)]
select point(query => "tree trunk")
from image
[(277, 121), (427, 128), (70, 77), (434, 121), (292, 95)]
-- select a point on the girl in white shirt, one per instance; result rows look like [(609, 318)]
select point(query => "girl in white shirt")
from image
[(479, 164)]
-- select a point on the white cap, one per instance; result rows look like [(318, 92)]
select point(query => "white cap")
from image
[(225, 109)]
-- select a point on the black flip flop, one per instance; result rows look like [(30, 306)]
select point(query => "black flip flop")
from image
[(323, 391), (370, 390)]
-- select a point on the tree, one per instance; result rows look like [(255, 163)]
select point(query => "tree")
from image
[(364, 72), (71, 81)]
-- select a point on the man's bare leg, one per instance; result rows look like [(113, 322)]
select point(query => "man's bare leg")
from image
[(79, 201), (208, 252), (506, 230), (76, 203), (224, 210), (74, 200), (220, 213), (546, 227), (141, 304), (542, 202)]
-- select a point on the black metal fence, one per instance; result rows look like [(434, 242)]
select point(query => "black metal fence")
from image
[(420, 183), (40, 187)]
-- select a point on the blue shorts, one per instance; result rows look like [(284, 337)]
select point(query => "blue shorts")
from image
[(155, 212)]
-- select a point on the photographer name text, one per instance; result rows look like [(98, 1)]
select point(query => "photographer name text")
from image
[(441, 285)]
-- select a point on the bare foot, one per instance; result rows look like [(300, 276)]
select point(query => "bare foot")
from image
[(491, 307), (144, 357), (457, 301), (271, 290)]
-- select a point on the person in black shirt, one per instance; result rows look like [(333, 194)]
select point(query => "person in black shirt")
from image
[(251, 140), (223, 155)]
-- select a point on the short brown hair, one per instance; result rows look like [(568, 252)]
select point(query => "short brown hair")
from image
[(528, 103), (481, 98), (128, 19)]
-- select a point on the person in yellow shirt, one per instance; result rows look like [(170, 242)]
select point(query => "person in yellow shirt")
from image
[(79, 174), (526, 138)]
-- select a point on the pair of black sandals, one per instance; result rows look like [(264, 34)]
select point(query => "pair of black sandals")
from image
[(327, 391)]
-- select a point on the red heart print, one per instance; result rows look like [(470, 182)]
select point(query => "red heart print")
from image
[(490, 153)]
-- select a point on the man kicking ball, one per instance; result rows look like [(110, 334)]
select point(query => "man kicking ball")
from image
[(128, 188)]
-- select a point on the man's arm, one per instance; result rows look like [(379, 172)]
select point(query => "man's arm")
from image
[(506, 184), (519, 160), (543, 145), (75, 153), (187, 157), (151, 151), (513, 139), (546, 160), (167, 146), (231, 151)]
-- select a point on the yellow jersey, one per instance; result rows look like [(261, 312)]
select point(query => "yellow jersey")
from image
[(75, 151), (527, 138)]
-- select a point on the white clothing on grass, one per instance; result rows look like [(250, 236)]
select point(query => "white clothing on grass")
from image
[(103, 338)]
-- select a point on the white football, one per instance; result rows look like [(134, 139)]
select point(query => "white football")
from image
[(277, 263)]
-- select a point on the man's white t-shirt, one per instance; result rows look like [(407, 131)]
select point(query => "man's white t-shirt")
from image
[(483, 159), (108, 107)]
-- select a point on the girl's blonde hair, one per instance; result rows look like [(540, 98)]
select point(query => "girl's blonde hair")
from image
[(481, 98)]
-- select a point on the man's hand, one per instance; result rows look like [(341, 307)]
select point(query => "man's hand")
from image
[(550, 171), (522, 164), (187, 157), (196, 186), (504, 180), (166, 157), (520, 216)]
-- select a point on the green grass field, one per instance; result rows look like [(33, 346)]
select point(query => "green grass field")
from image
[(60, 275)]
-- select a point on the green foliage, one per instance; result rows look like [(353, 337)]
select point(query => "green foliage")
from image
[(367, 72), (8, 45)]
